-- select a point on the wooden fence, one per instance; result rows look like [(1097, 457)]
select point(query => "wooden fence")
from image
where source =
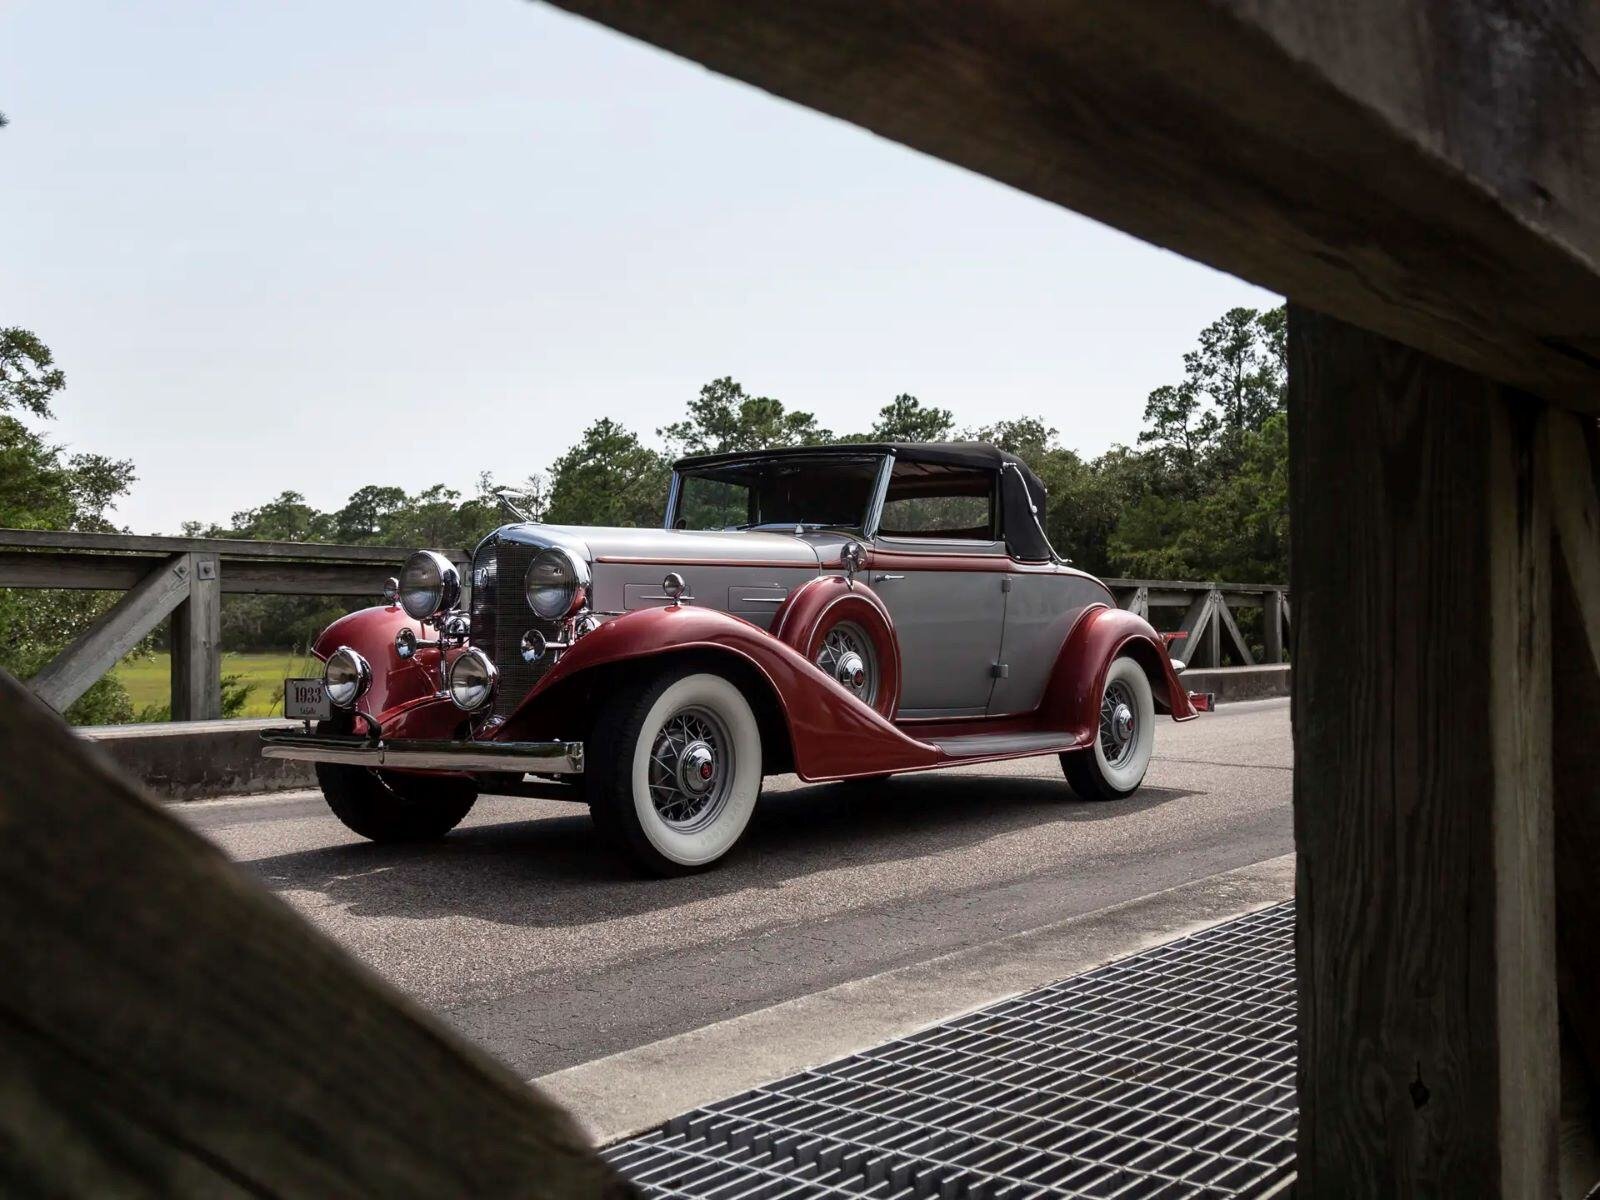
[(186, 578)]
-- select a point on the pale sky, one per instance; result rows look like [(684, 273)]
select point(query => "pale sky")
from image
[(319, 245)]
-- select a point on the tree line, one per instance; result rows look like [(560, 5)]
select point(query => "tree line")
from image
[(1202, 494)]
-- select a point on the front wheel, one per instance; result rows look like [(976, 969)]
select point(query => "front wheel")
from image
[(384, 806), (674, 771), (1115, 766)]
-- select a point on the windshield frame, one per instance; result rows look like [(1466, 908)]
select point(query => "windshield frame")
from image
[(869, 518)]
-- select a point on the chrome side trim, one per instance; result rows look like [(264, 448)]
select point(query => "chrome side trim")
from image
[(419, 754)]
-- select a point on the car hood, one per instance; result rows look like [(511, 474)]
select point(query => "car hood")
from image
[(666, 546)]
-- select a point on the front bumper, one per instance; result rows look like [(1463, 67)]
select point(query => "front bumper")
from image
[(419, 754)]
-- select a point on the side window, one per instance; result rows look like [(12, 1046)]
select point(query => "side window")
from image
[(929, 500)]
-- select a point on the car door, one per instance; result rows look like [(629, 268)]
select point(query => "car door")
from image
[(939, 565)]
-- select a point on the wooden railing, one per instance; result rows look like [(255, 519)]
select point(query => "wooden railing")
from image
[(186, 578)]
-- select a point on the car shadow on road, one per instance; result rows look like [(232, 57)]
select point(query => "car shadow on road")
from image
[(554, 871)]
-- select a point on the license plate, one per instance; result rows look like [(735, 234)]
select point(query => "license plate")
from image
[(305, 700)]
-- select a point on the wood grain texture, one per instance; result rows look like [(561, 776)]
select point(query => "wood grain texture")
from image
[(1231, 627), (118, 630), (167, 1028), (1426, 168), (1272, 627), (196, 667), (225, 547), (1423, 823)]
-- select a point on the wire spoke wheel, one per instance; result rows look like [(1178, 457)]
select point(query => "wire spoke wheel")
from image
[(691, 769), (848, 657), (1118, 723)]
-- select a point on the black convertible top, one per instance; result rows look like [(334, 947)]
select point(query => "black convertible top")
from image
[(1022, 494)]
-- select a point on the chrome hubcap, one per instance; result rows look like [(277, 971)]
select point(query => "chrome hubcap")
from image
[(847, 655), (1117, 724), (691, 769)]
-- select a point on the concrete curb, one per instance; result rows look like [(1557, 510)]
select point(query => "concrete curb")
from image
[(635, 1090), (1239, 683), (195, 760)]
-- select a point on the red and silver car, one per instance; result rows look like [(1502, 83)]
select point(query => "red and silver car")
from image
[(841, 612)]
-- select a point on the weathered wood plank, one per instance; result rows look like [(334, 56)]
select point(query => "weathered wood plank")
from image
[(1425, 168), (100, 647), (1422, 789), (1272, 626), (169, 1028), (1199, 617), (226, 547), (1577, 515), (1135, 600), (196, 667), (1226, 622)]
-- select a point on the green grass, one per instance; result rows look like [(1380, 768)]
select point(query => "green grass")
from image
[(149, 680)]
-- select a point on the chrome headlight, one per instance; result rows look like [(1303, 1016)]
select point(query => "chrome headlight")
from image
[(345, 677), (429, 585), (557, 584), (472, 679)]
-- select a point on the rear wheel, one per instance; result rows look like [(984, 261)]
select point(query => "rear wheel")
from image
[(385, 806), (1116, 764), (674, 770)]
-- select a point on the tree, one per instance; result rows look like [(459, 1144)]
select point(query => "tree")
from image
[(609, 478), (725, 418), (43, 488), (907, 419)]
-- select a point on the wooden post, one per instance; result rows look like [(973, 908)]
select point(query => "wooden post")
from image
[(1422, 790), (1272, 625), (196, 644), (1226, 623)]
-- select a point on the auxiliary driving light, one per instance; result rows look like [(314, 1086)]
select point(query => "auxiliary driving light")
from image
[(472, 678), (345, 676)]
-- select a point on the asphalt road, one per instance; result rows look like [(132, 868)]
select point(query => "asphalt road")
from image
[(525, 934)]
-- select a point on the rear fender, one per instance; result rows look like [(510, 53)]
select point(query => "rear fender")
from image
[(831, 734), (1101, 635)]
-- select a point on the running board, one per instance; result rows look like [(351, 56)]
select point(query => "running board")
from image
[(996, 745)]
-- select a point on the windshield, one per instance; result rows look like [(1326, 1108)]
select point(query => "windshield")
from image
[(825, 492)]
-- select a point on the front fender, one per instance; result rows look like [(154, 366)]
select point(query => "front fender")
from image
[(399, 685), (831, 734), (1101, 635)]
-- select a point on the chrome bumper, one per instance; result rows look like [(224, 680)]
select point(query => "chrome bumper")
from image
[(417, 754)]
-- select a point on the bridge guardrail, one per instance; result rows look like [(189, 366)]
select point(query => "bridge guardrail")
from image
[(186, 578)]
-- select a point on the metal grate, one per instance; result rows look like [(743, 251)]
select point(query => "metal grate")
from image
[(1168, 1074)]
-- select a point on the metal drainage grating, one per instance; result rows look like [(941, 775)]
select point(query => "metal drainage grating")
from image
[(1167, 1074)]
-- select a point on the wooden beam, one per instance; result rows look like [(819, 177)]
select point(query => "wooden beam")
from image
[(1201, 615), (1577, 515), (225, 547), (1426, 168), (196, 666), (1272, 626), (171, 1028), (1135, 600), (102, 646), (1240, 646), (1422, 786)]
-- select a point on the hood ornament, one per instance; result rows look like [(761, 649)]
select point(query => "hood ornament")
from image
[(853, 557)]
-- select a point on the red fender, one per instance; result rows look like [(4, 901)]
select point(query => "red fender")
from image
[(1072, 698), (814, 608), (833, 734), (398, 684)]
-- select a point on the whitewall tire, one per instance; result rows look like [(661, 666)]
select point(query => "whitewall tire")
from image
[(674, 770), (1115, 765)]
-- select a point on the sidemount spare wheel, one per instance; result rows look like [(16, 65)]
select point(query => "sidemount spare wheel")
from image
[(851, 642), (674, 769), (391, 806), (1115, 765)]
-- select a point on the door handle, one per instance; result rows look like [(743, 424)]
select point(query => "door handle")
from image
[(887, 578)]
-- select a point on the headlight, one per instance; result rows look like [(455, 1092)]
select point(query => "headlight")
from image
[(345, 676), (472, 679), (557, 584), (429, 585)]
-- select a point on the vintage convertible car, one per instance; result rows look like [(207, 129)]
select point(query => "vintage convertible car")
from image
[(843, 612)]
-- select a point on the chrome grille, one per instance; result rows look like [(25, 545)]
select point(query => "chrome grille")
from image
[(1170, 1073), (500, 616)]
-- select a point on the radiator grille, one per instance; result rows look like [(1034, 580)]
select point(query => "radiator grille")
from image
[(500, 616), (1168, 1074)]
